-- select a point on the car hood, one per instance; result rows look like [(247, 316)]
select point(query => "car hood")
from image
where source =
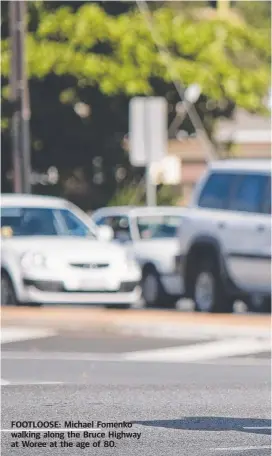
[(66, 248)]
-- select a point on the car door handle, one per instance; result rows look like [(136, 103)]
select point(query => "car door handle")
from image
[(260, 228), (221, 225)]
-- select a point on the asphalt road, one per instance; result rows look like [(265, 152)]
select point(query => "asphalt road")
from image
[(219, 406)]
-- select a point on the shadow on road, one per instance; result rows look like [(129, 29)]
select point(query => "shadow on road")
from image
[(213, 423)]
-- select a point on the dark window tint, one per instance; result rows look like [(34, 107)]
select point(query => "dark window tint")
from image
[(216, 191), (29, 221), (158, 227), (267, 198), (74, 226), (120, 226), (101, 221), (249, 193)]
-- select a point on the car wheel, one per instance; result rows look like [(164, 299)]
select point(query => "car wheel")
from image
[(152, 291), (258, 304), (209, 294), (33, 304), (117, 306), (8, 296)]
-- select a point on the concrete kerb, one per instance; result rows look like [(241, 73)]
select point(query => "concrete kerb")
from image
[(141, 322)]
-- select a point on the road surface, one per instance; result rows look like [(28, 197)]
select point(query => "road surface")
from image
[(198, 393)]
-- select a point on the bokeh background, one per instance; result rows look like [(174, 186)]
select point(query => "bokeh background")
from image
[(86, 60)]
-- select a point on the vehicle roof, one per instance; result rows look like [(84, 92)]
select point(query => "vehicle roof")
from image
[(259, 165), (138, 210), (17, 199)]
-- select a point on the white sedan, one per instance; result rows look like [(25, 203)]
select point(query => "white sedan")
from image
[(151, 235), (51, 252)]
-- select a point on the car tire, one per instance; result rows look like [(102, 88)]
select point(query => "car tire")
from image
[(151, 288), (8, 295), (33, 304), (153, 293), (262, 305), (209, 293), (118, 306)]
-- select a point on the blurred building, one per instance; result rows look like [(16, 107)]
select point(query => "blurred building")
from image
[(245, 136)]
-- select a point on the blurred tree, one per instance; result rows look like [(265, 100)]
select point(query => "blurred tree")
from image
[(118, 54), (256, 13), (85, 61), (131, 194)]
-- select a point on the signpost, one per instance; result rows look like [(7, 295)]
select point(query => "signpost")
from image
[(148, 137)]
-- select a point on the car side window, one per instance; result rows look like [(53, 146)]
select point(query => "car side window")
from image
[(75, 227), (40, 222), (249, 193), (30, 221), (119, 225), (216, 191), (101, 221)]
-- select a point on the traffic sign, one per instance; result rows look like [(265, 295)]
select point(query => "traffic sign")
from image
[(147, 130)]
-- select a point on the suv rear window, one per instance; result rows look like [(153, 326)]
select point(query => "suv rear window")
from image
[(267, 198), (249, 193), (216, 192)]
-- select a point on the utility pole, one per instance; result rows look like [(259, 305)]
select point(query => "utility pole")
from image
[(223, 6), (151, 188), (20, 99)]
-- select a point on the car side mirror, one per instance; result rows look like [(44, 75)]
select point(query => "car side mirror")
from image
[(105, 233)]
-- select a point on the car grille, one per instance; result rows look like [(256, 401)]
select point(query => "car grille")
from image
[(57, 286), (89, 265)]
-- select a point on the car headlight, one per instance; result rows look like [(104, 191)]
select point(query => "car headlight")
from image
[(33, 259)]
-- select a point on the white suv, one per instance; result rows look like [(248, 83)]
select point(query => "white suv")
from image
[(225, 238)]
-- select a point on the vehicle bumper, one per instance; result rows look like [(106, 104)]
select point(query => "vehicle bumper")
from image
[(81, 287), (33, 294)]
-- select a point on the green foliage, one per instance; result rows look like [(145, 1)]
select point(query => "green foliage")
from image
[(168, 195), (127, 196), (79, 52), (135, 195), (256, 13), (118, 54)]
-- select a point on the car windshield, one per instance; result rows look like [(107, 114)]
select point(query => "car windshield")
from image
[(157, 227)]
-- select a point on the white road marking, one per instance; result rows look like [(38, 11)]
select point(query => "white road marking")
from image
[(14, 334), (257, 427), (189, 331), (28, 382), (265, 447), (198, 352), (61, 356), (4, 382), (33, 382)]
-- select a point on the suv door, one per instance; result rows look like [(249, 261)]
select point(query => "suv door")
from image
[(248, 234)]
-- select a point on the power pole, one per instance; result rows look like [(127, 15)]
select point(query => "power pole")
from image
[(20, 99), (223, 6)]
